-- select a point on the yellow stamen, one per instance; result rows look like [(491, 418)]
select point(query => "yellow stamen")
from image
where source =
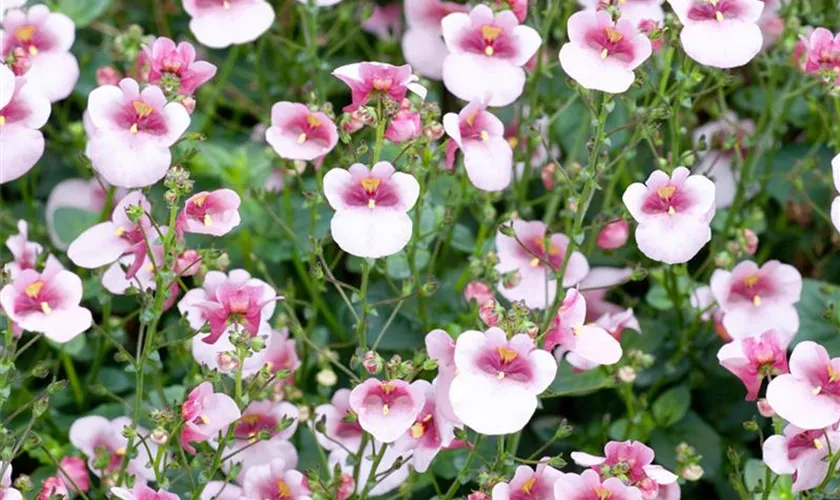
[(199, 200), (506, 354), (528, 485), (133, 128), (613, 35), (484, 135), (757, 301), (283, 490), (25, 33), (666, 192), (604, 53), (207, 220), (2, 120), (120, 231), (46, 308), (719, 16), (490, 32), (535, 262), (576, 330), (386, 409), (833, 375), (120, 451), (142, 109), (470, 119), (603, 493), (513, 141), (818, 444), (204, 419), (33, 50), (302, 138), (150, 267), (387, 387), (489, 50), (226, 4), (417, 430), (33, 289), (313, 121), (370, 184), (371, 203), (750, 281)]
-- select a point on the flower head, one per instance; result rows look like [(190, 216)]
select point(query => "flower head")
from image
[(296, 133), (634, 462), (258, 437), (177, 64), (376, 79), (275, 481), (205, 413), (753, 358), (220, 23), (387, 408), (422, 42), (210, 212), (431, 430), (588, 343), (528, 484), (802, 454), (588, 485), (23, 111), (102, 440)]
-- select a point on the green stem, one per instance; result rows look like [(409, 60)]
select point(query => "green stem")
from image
[(73, 378), (456, 483), (361, 326), (219, 87)]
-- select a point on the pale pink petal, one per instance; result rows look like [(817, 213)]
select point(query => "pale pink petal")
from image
[(794, 400), (97, 246), (586, 66), (471, 76), (371, 234), (672, 239), (489, 163), (54, 74), (489, 407), (129, 160), (724, 45), (20, 150), (425, 51)]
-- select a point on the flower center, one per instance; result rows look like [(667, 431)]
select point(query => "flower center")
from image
[(603, 493), (528, 485), (506, 354), (383, 84), (33, 289)]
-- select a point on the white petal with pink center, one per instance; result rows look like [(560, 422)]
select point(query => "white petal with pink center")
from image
[(221, 23), (387, 409)]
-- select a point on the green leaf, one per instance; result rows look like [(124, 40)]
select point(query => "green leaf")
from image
[(672, 406), (70, 222), (397, 266), (696, 432), (817, 308), (568, 383), (83, 12)]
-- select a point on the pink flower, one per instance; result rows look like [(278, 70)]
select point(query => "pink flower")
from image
[(235, 300), (166, 60), (142, 492), (346, 488), (588, 486), (478, 291), (84, 194), (752, 358), (220, 490), (529, 484), (531, 265), (387, 409), (52, 487), (754, 300), (341, 424), (725, 142), (615, 323), (441, 348), (498, 380), (808, 396), (45, 37), (673, 214), (75, 474), (296, 133), (587, 343), (370, 208), (125, 274), (107, 75), (221, 355), (486, 55), (47, 302), (262, 417), (835, 203), (635, 460), (23, 111), (601, 54), (721, 34), (488, 157), (97, 436), (133, 132), (404, 126), (431, 429), (106, 242), (422, 43), (376, 79), (220, 23), (595, 287), (281, 355), (822, 53), (206, 413), (802, 454), (24, 252), (634, 11), (385, 22), (614, 235), (188, 263), (771, 23), (210, 212), (518, 7), (274, 480)]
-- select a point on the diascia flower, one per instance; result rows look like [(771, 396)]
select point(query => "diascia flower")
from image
[(249, 450), (24, 252), (47, 302), (431, 430), (673, 213), (387, 408), (756, 299), (809, 396), (166, 60), (588, 486), (210, 212), (206, 413), (97, 436), (634, 460), (498, 380), (720, 33), (45, 38), (802, 454), (84, 194), (441, 348), (23, 111), (422, 42), (528, 266), (753, 358), (370, 208), (376, 79), (296, 133), (488, 157), (602, 54), (527, 484), (220, 23), (133, 132), (588, 345), (486, 54), (274, 480), (822, 53)]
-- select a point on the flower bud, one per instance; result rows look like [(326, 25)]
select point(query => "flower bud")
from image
[(478, 291), (434, 131), (52, 487), (488, 313), (548, 175), (373, 362), (159, 436), (478, 495), (189, 103), (764, 408), (346, 487), (627, 374), (692, 472), (326, 378), (226, 361), (750, 242), (107, 75), (404, 126), (614, 235), (188, 263), (75, 472)]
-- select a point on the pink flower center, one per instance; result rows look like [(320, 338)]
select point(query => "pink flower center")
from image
[(531, 489), (505, 363), (37, 297), (715, 10), (138, 116), (14, 111), (276, 489), (203, 207), (668, 199), (308, 128), (609, 42), (32, 39), (804, 442), (539, 251), (250, 425), (488, 40), (371, 192), (754, 288), (425, 430), (826, 380), (388, 397)]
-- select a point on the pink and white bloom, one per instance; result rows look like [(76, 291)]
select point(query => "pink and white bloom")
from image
[(210, 212), (387, 408), (756, 299), (84, 194), (23, 111), (6, 490), (404, 126), (802, 454), (486, 54), (74, 473), (221, 355), (385, 21), (835, 204), (602, 54), (528, 484), (809, 396), (7, 6), (431, 429), (235, 300), (125, 273), (45, 38), (249, 450), (280, 354), (498, 380), (586, 343), (634, 11), (220, 23), (296, 133), (142, 492), (614, 235), (133, 132), (97, 436), (725, 143), (488, 157), (422, 42), (529, 268), (166, 60), (24, 252), (637, 460), (341, 424), (753, 358), (274, 481), (47, 302), (720, 33), (206, 413), (220, 490), (673, 213), (370, 208), (822, 53), (588, 486), (375, 79)]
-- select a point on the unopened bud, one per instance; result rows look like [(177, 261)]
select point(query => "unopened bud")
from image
[(478, 495), (614, 235), (764, 408), (326, 377), (226, 361), (750, 241), (346, 487), (159, 436), (627, 374), (107, 75), (488, 313), (478, 291), (189, 103), (373, 362), (692, 472)]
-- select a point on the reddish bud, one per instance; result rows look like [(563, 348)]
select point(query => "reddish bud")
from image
[(488, 313), (189, 104), (75, 470), (750, 241), (188, 263), (346, 487), (19, 61), (478, 495), (764, 408), (107, 75), (478, 291), (614, 235)]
